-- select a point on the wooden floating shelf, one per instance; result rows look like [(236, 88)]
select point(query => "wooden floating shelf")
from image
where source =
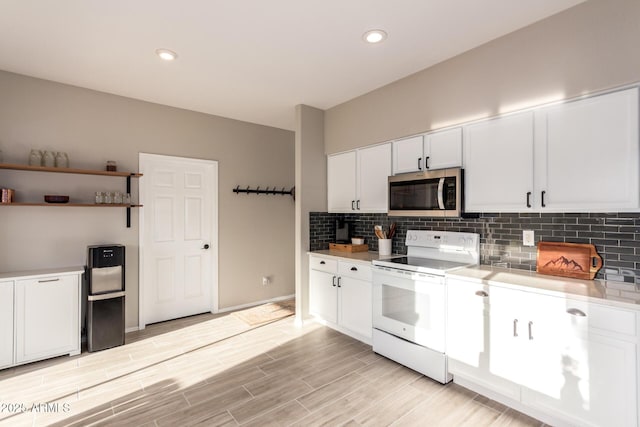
[(68, 170), (76, 205)]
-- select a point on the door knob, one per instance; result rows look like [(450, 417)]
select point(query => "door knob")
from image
[(206, 246)]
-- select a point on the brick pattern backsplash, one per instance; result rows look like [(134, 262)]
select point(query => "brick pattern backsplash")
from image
[(616, 236)]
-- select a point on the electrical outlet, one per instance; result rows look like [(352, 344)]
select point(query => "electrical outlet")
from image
[(265, 280), (528, 238)]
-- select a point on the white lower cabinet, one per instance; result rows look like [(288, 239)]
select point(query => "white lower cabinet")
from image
[(323, 295), (574, 361), (469, 345), (340, 295), (39, 315), (49, 319), (6, 324)]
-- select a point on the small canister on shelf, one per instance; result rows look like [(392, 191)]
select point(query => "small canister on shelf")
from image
[(112, 166), (6, 195), (117, 198)]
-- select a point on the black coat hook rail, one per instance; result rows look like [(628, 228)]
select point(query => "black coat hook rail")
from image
[(274, 190)]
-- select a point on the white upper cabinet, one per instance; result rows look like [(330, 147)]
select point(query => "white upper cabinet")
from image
[(437, 150), (588, 153), (374, 168), (498, 163), (443, 149), (357, 180), (578, 156), (341, 182), (408, 154)]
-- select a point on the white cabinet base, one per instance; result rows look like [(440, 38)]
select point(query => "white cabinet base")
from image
[(469, 384)]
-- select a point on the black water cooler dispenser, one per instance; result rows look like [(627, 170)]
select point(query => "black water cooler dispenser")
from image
[(104, 278)]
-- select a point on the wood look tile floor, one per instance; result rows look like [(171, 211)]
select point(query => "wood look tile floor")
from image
[(215, 370)]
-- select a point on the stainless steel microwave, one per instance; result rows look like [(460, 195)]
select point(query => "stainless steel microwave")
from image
[(432, 193)]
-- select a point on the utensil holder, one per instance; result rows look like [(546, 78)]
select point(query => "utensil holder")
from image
[(384, 246)]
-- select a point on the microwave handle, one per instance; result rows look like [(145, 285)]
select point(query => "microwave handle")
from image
[(440, 196)]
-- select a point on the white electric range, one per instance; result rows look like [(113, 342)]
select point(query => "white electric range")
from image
[(409, 299)]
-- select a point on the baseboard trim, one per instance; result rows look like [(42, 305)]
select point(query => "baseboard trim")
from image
[(228, 309), (253, 304)]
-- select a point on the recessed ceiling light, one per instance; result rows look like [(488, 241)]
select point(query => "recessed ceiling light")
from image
[(166, 54), (374, 36)]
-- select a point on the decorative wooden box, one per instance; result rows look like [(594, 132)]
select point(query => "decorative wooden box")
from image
[(343, 247)]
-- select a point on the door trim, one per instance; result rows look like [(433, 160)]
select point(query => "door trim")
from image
[(143, 159)]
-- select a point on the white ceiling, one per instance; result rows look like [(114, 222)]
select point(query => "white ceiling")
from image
[(251, 60)]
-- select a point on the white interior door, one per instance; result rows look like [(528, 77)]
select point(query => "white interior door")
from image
[(178, 241)]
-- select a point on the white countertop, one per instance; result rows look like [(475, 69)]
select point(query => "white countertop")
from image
[(40, 273), (359, 257), (618, 294), (625, 295)]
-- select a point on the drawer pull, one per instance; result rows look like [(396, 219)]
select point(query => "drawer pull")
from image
[(339, 285), (576, 312), (322, 263), (334, 281), (354, 269), (530, 330), (515, 327), (48, 280), (482, 294)]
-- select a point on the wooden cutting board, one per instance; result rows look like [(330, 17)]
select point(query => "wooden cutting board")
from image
[(577, 260)]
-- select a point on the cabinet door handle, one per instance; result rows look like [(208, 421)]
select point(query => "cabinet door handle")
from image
[(576, 312), (358, 205), (353, 205), (354, 269), (426, 162), (542, 199), (528, 199), (334, 281), (482, 294), (530, 330), (419, 160), (48, 280), (322, 263), (515, 327), (339, 285)]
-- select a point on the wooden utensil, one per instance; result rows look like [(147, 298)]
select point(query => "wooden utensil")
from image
[(568, 260), (392, 230)]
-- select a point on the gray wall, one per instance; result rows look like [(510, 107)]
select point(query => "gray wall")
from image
[(590, 47), (256, 233), (311, 186)]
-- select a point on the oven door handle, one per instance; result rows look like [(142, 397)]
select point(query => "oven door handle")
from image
[(440, 195)]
